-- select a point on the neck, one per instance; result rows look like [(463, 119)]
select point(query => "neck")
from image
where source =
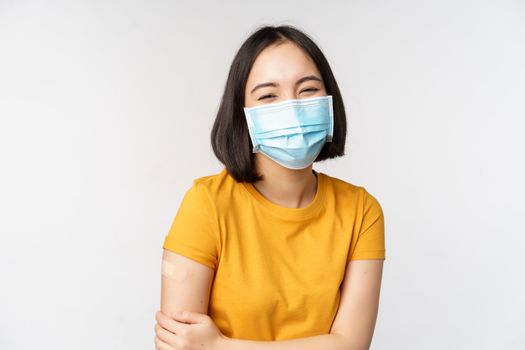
[(291, 188)]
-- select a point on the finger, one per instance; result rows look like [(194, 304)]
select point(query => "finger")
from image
[(169, 324), (166, 336), (156, 342), (159, 328), (190, 317), (160, 345)]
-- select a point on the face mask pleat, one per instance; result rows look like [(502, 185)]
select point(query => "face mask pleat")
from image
[(292, 130), (284, 118), (290, 155), (295, 141)]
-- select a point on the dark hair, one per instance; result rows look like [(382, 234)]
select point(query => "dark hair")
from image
[(230, 138)]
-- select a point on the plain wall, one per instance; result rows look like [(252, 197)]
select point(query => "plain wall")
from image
[(106, 109)]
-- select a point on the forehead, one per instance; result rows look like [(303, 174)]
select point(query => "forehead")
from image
[(284, 63)]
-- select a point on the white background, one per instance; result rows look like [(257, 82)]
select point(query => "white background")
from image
[(106, 109)]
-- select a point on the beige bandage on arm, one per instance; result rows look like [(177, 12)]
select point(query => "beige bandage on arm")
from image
[(170, 270)]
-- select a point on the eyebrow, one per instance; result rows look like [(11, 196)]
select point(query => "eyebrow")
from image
[(298, 82)]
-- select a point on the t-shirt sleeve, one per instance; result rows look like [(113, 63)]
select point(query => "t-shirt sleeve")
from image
[(370, 240), (194, 230)]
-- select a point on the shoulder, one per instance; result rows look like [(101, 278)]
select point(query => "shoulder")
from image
[(215, 186), (341, 187), (340, 184), (346, 190)]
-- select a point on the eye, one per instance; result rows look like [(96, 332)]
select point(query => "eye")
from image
[(266, 96), (310, 89)]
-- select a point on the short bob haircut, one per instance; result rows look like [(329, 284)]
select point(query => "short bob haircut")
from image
[(230, 138)]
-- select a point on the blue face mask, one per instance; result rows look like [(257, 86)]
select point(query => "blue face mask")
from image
[(291, 132)]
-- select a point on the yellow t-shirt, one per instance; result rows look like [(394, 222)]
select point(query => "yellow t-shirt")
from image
[(277, 270)]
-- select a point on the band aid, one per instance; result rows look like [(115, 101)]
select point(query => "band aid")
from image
[(169, 270)]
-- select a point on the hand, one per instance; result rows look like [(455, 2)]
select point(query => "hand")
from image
[(188, 331)]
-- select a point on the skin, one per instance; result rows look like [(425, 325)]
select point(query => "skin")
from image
[(353, 327)]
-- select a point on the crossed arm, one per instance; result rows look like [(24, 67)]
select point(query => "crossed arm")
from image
[(352, 328)]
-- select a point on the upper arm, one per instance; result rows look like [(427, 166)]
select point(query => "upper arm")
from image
[(185, 285), (358, 307), (191, 249), (356, 317)]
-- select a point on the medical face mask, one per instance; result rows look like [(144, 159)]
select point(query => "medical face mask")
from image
[(291, 132)]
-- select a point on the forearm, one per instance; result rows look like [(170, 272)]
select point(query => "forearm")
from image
[(318, 342)]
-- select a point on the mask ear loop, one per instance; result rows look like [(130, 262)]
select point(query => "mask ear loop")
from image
[(331, 112), (251, 127)]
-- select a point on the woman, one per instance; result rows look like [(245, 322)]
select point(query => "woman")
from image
[(269, 253)]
